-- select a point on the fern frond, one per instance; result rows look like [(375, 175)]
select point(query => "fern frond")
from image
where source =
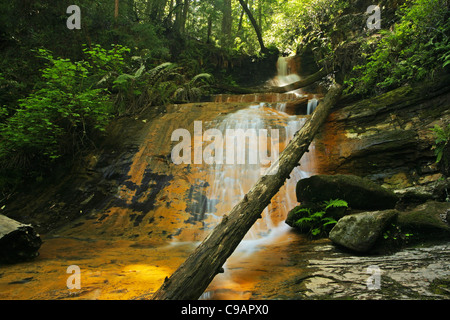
[(336, 203), (202, 77), (159, 72)]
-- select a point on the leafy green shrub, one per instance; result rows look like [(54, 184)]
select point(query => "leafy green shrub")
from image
[(417, 47), (318, 223), (103, 62), (59, 118)]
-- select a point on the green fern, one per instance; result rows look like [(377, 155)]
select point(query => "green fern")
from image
[(318, 223), (442, 139), (192, 90), (336, 203)]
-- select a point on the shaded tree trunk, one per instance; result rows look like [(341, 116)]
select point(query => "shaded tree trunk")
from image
[(184, 16), (191, 279), (178, 16), (226, 23), (208, 35)]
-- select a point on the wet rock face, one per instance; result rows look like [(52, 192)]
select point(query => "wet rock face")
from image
[(319, 270), (386, 138), (413, 196)]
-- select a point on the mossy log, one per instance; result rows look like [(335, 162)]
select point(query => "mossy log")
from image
[(191, 279)]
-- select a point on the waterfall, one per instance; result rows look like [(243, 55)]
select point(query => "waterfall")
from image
[(228, 183), (312, 104), (285, 75)]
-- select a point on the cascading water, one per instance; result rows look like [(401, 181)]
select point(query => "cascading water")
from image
[(286, 76), (312, 104), (230, 182)]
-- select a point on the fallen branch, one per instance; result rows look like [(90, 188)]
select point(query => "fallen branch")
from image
[(191, 279), (290, 87)]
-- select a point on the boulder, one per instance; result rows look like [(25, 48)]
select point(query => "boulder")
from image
[(359, 232), (429, 219), (360, 193), (412, 196), (18, 242)]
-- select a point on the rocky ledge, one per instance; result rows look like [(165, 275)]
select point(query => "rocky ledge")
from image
[(326, 272)]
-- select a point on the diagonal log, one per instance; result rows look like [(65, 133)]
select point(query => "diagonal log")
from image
[(191, 279)]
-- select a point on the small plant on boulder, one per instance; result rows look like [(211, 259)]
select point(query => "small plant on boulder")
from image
[(318, 224)]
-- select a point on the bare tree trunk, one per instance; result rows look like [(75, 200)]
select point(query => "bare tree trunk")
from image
[(260, 14), (241, 18), (191, 279), (116, 9)]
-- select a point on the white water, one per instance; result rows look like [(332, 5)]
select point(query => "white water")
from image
[(285, 76)]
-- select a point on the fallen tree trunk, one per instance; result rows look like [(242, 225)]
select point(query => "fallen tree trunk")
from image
[(191, 279), (290, 87), (18, 242)]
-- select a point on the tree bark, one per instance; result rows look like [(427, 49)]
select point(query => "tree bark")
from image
[(178, 16), (116, 9), (191, 279), (18, 242), (184, 16), (293, 86), (255, 26)]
